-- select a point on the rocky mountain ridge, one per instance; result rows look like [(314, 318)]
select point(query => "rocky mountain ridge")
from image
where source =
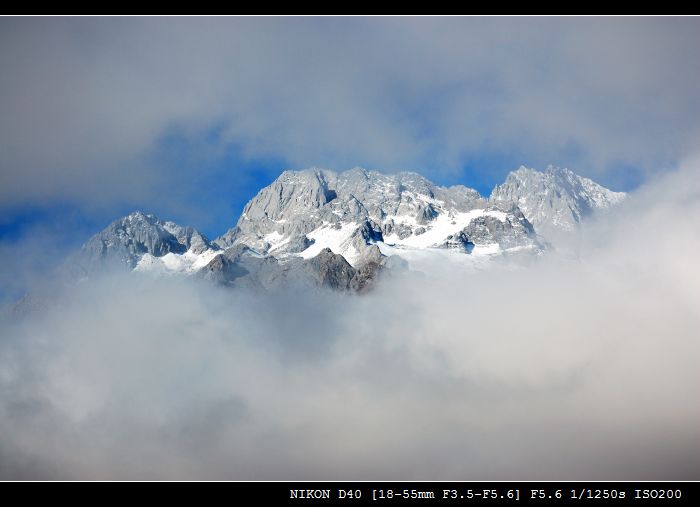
[(341, 229)]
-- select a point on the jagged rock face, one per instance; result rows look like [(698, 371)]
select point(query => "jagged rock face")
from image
[(426, 213), (142, 242), (303, 212), (299, 202), (332, 270), (298, 195), (189, 237), (222, 270), (291, 193), (556, 199), (513, 232), (458, 241), (319, 228), (125, 242), (327, 270)]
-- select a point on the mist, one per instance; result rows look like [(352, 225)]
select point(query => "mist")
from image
[(579, 367), (94, 108)]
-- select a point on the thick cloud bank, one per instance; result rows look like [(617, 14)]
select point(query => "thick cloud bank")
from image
[(87, 104), (570, 369)]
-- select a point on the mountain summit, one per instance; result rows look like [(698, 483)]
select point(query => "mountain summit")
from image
[(302, 212), (554, 200), (340, 229), (139, 240)]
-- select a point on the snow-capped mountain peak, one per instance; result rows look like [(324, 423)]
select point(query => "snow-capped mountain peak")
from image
[(318, 226), (303, 212), (556, 199), (141, 241)]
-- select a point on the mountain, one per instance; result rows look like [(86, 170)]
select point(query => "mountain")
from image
[(554, 200), (141, 242), (303, 212), (318, 227)]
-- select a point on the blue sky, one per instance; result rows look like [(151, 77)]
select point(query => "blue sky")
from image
[(188, 118)]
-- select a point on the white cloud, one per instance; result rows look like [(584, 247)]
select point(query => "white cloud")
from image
[(566, 370), (85, 101)]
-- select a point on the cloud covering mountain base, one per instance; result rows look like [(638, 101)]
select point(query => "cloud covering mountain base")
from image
[(570, 369)]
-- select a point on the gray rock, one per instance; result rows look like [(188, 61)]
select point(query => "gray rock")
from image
[(403, 231), (236, 252), (554, 200), (299, 202), (459, 241), (515, 232), (426, 213), (222, 270), (298, 243), (352, 211), (331, 270), (123, 243)]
